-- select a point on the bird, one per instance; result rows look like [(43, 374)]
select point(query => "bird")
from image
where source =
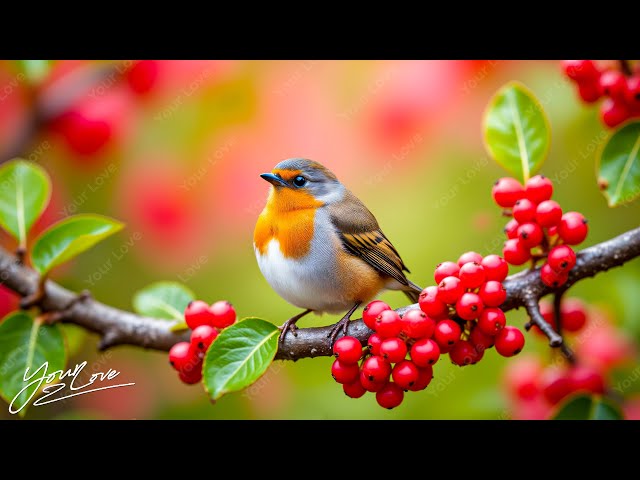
[(320, 248)]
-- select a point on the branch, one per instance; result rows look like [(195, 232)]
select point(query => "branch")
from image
[(121, 327)]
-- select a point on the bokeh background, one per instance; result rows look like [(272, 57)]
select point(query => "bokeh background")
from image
[(175, 151)]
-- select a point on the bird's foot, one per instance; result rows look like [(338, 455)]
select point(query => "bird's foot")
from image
[(288, 326), (343, 325)]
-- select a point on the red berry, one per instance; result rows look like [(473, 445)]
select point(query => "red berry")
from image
[(425, 352), (530, 234), (224, 314), (493, 294), (447, 334), (573, 314), (181, 356), (424, 379), (464, 353), (515, 253), (492, 321), (431, 305), (561, 258), (376, 369), (613, 84), (584, 378), (142, 76), (446, 269), (580, 69), (347, 350), (388, 324), (573, 228), (589, 91), (374, 343), (393, 349), (202, 337), (344, 372), (632, 92), (511, 228), (495, 267), (416, 324), (197, 313), (469, 257), (371, 386), (472, 275), (390, 396), (614, 112), (509, 341), (553, 231), (551, 278), (354, 389), (521, 377), (507, 191), (449, 290), (548, 213), (192, 376), (538, 189), (524, 210), (371, 312), (469, 306), (85, 136), (481, 340), (555, 384), (405, 374)]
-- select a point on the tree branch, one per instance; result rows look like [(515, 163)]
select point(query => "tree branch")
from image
[(120, 327)]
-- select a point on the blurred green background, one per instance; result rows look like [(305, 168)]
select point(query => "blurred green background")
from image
[(179, 162)]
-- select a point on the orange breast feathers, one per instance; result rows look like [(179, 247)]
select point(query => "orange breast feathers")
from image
[(289, 218)]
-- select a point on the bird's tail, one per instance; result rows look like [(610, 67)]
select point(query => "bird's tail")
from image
[(413, 291)]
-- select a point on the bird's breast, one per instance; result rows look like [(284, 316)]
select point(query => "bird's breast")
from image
[(293, 230)]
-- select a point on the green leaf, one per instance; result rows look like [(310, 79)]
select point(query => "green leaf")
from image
[(70, 237), (618, 165), (25, 189), (239, 356), (35, 70), (516, 130), (25, 346), (584, 407), (163, 300)]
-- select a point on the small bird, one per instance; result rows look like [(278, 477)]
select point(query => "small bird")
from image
[(320, 248)]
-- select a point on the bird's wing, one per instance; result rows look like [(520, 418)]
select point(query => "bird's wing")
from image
[(361, 236)]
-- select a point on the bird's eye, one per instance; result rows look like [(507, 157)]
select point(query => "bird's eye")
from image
[(299, 181)]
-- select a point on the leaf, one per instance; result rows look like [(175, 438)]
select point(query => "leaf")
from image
[(35, 70), (25, 189), (163, 300), (516, 130), (239, 356), (618, 165), (25, 344), (584, 407), (70, 237)]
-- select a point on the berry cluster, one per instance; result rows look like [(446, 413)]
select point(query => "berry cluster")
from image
[(538, 228), (205, 322), (620, 91), (459, 316)]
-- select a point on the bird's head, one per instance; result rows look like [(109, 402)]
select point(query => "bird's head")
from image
[(298, 183)]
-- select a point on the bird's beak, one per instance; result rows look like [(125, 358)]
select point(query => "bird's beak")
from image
[(274, 180)]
